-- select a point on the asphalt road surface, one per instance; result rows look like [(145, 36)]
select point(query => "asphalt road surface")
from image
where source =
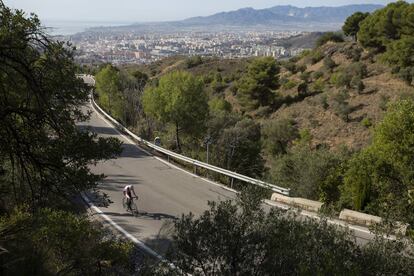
[(165, 192)]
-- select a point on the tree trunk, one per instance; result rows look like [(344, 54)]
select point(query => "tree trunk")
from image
[(177, 138)]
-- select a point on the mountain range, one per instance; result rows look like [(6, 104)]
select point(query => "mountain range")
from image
[(281, 14), (277, 18)]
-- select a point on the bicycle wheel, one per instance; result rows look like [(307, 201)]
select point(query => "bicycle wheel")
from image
[(134, 209), (124, 203)]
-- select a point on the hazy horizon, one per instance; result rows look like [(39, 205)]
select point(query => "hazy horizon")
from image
[(131, 11)]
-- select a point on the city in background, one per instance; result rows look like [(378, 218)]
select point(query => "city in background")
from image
[(122, 48)]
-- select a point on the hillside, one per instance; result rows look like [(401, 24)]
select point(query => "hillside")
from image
[(305, 41), (334, 124), (369, 105), (326, 127)]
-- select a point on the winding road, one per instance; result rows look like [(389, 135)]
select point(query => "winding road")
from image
[(165, 191)]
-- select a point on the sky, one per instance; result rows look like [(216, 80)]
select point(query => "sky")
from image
[(152, 10)]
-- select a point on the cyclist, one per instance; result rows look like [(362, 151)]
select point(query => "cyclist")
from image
[(128, 191)]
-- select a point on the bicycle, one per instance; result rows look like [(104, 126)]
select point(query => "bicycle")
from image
[(134, 208)]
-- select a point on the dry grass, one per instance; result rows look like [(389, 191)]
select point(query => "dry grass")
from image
[(328, 128), (325, 126)]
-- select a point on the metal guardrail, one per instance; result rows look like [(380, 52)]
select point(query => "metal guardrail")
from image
[(186, 159)]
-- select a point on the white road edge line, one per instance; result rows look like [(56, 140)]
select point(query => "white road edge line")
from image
[(140, 244)]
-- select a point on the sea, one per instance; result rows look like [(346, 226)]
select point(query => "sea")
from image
[(65, 28)]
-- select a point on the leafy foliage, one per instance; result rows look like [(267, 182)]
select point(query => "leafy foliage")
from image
[(107, 87), (289, 84), (303, 170), (328, 63), (290, 66), (357, 84), (341, 105), (391, 30), (407, 75), (218, 104), (45, 158), (329, 37), (315, 56), (52, 242), (43, 154), (351, 25), (386, 25), (194, 61), (240, 148), (257, 87), (366, 122), (350, 76), (379, 179), (179, 99), (400, 52), (278, 135), (239, 238)]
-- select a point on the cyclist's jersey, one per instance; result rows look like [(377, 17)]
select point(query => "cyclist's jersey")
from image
[(127, 190)]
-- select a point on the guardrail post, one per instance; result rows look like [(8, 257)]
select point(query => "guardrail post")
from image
[(168, 158), (195, 169), (232, 181)]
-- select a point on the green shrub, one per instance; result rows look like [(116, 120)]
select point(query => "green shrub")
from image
[(278, 135), (318, 86), (303, 89), (351, 26), (386, 25), (340, 105), (357, 69), (193, 61), (354, 72), (329, 37), (301, 68), (303, 54), (324, 101), (407, 75), (329, 189), (290, 66), (218, 86), (315, 56), (353, 53), (341, 79), (357, 84), (305, 136), (289, 84), (366, 122), (384, 102), (303, 170), (248, 240), (305, 76), (328, 63), (217, 104), (317, 75)]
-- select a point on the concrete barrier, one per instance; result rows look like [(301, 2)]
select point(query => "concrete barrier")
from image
[(359, 218), (310, 205), (282, 199), (302, 203), (398, 227), (352, 217)]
